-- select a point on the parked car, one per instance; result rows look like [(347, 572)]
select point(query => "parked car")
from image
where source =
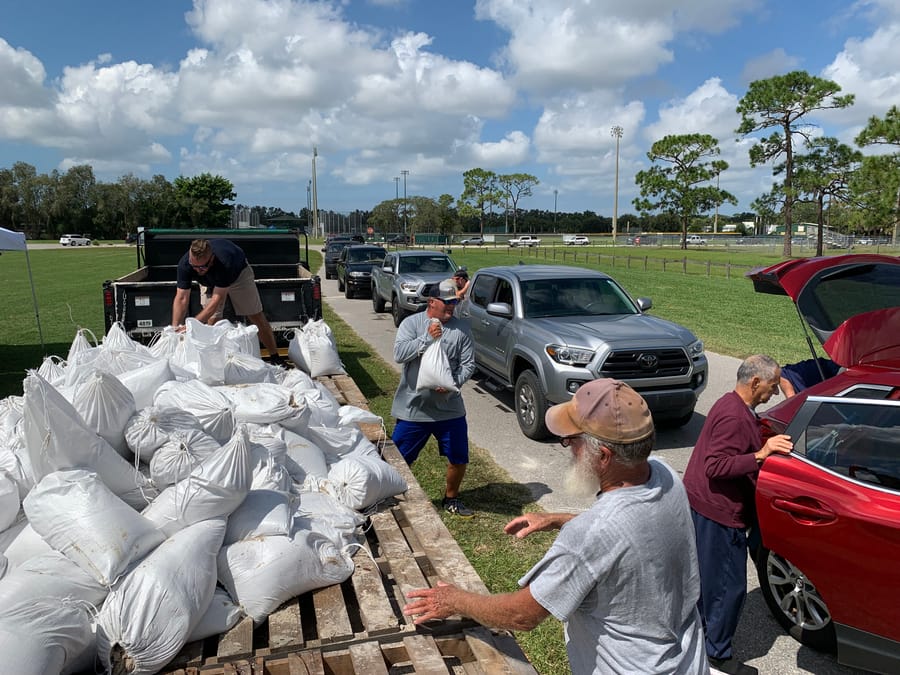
[(399, 240), (695, 240), (829, 513), (405, 279), (332, 252), (578, 240), (74, 240), (544, 330), (472, 241), (865, 241), (354, 268)]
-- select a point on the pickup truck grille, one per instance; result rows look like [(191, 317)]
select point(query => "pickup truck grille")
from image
[(426, 289), (644, 363)]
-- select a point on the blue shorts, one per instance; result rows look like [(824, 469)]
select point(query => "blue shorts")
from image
[(452, 437)]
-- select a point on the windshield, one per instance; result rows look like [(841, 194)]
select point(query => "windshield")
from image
[(366, 255), (574, 297), (427, 264)]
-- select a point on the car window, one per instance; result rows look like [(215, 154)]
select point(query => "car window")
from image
[(574, 297), (856, 439), (481, 292), (504, 292), (366, 255)]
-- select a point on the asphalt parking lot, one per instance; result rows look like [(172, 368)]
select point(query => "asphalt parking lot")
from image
[(760, 641)]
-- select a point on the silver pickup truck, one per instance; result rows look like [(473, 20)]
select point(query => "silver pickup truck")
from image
[(405, 278), (545, 330)]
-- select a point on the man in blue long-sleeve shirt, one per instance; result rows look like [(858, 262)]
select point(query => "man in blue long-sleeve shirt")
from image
[(422, 413)]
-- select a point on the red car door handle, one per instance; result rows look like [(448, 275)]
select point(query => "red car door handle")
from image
[(806, 511)]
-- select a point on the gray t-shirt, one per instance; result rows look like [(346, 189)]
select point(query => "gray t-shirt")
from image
[(623, 577), (409, 345)]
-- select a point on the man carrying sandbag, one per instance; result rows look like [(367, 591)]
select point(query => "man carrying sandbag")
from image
[(222, 270), (428, 401)]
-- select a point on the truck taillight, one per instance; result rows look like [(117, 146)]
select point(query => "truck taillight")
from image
[(108, 298), (317, 292)]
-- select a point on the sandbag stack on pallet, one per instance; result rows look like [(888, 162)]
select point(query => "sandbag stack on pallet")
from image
[(152, 497)]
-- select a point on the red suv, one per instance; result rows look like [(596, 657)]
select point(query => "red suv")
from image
[(829, 513)]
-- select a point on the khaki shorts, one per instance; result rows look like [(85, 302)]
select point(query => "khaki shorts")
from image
[(243, 293)]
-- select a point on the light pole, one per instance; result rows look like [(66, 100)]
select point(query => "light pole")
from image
[(716, 219), (396, 199), (616, 132), (555, 195), (309, 206), (315, 196), (405, 173)]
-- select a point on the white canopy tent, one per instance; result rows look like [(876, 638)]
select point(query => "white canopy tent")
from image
[(15, 241)]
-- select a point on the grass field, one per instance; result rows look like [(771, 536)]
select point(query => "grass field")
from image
[(723, 311)]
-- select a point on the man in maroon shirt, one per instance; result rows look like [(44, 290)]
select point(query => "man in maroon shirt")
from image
[(720, 480)]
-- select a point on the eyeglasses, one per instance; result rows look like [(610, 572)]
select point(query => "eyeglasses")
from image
[(204, 266), (567, 441)]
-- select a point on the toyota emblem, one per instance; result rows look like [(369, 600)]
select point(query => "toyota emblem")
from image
[(648, 361)]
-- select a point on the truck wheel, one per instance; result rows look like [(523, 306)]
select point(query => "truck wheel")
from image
[(531, 405), (377, 301), (397, 311)]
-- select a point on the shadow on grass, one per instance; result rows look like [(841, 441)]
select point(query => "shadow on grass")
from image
[(505, 499), (354, 364), (17, 359)]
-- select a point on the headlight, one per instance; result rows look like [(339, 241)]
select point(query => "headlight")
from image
[(570, 356), (409, 287), (695, 349), (359, 275)]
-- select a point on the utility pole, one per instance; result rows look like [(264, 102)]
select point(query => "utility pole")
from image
[(716, 220), (315, 197), (405, 173), (555, 195), (616, 132)]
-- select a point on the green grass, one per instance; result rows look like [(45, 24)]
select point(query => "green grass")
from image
[(724, 312)]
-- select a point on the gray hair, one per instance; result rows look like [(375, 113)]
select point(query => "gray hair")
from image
[(629, 454), (759, 365)]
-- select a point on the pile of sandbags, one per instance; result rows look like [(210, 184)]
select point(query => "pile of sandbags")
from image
[(151, 496)]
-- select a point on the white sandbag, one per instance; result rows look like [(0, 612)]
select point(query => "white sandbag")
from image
[(105, 405), (116, 339), (351, 414), (361, 481), (46, 637), (149, 428), (120, 362), (53, 369), (207, 349), (176, 458), (81, 345), (246, 369), (144, 381), (241, 338), (9, 535), (147, 618), (165, 343), (210, 406), (26, 545), (262, 513), (434, 370), (216, 487), (320, 512), (314, 350), (221, 616), (297, 380), (57, 438), (339, 442), (9, 501), (260, 403), (49, 576), (304, 457), (263, 572), (4, 566), (77, 515)]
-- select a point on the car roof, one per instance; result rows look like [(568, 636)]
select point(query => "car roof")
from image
[(407, 254), (357, 247), (541, 272)]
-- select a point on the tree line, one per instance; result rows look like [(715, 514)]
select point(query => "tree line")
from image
[(817, 179)]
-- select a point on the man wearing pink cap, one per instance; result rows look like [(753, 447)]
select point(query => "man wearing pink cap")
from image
[(623, 575)]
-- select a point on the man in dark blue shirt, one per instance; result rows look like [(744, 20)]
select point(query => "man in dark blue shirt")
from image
[(222, 270)]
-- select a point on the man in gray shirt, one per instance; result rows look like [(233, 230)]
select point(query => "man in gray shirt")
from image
[(423, 412), (623, 575)]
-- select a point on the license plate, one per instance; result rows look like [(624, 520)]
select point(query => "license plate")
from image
[(145, 323), (142, 301), (287, 296)]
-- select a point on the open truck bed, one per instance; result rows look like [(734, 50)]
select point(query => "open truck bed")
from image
[(142, 300), (357, 626)]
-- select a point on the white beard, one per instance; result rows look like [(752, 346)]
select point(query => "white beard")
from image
[(580, 480)]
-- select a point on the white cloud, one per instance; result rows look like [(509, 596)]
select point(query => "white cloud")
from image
[(775, 62)]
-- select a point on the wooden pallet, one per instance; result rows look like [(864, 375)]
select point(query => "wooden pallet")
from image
[(358, 626)]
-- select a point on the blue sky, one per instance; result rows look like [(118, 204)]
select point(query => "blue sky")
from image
[(246, 88)]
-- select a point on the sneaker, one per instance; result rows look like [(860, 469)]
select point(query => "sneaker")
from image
[(731, 667), (455, 506)]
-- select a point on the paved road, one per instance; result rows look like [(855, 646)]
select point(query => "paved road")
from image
[(492, 425)]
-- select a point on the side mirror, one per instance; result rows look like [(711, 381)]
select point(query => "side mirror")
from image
[(644, 304), (503, 309)]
